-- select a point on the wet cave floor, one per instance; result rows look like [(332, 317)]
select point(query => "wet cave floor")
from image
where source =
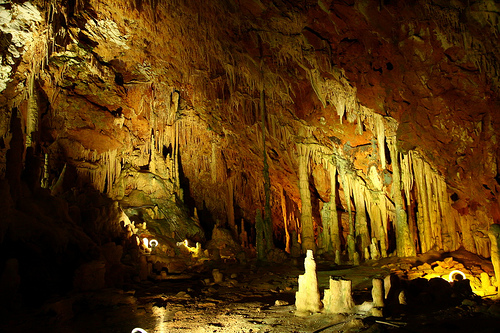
[(254, 298)]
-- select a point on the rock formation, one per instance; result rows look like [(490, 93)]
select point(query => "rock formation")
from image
[(307, 298), (338, 298), (359, 128)]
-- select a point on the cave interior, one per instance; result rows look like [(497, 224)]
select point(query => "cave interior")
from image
[(249, 166)]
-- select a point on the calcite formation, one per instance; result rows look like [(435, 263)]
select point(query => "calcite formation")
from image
[(338, 298), (307, 298), (360, 128)]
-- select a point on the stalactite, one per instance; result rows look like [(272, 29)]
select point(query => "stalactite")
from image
[(432, 204), (306, 221), (329, 215), (423, 220), (450, 242), (44, 183), (377, 210), (361, 224), (437, 224), (346, 184), (377, 222), (268, 224), (213, 163), (285, 220), (32, 116), (176, 157), (404, 244), (380, 133)]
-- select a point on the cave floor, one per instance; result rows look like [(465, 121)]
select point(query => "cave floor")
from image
[(251, 298)]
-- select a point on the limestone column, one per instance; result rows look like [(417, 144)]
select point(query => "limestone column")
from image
[(307, 230), (332, 207), (361, 225), (404, 244)]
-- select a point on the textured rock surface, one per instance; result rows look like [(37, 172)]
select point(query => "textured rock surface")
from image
[(156, 104)]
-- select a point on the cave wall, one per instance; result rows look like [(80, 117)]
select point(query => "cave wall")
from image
[(380, 117)]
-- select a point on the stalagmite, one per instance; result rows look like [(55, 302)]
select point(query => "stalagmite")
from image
[(307, 231), (338, 299), (338, 260), (404, 244), (307, 298), (494, 234), (378, 293), (374, 251), (378, 297), (243, 235)]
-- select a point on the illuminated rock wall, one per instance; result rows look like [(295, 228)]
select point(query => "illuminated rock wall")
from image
[(380, 124)]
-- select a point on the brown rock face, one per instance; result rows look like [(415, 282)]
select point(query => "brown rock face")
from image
[(394, 107)]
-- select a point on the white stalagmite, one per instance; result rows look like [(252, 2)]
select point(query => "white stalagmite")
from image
[(338, 299), (378, 293), (307, 298)]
